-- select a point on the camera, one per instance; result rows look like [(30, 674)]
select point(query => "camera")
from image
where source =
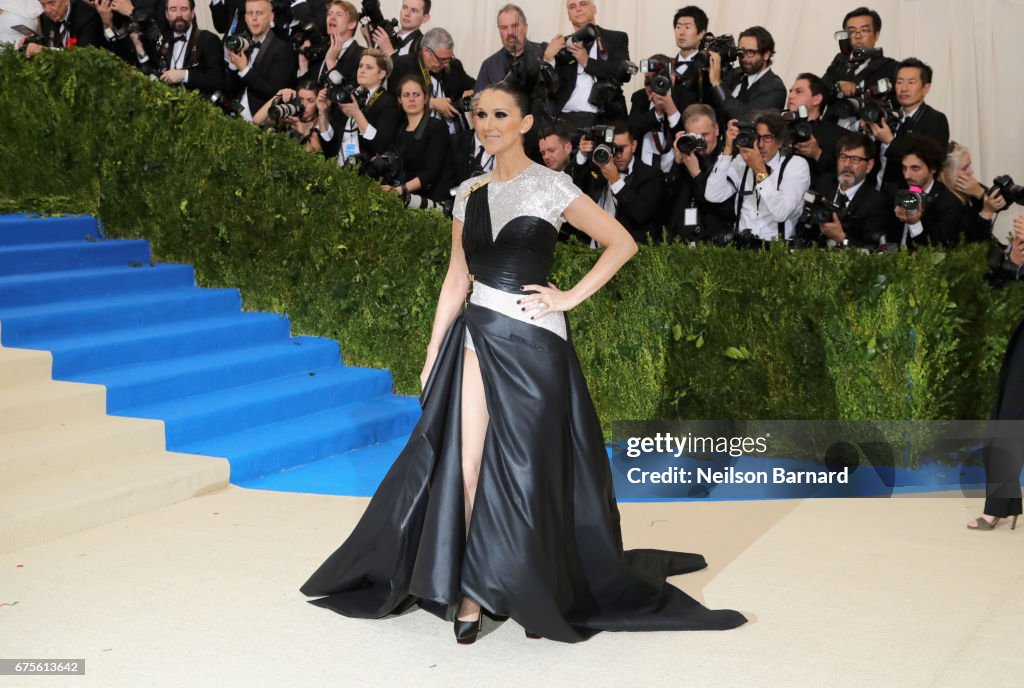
[(372, 17), (911, 199), (604, 137), (1012, 193), (285, 108), (231, 108), (874, 102), (340, 90), (238, 43), (724, 45), (818, 209), (688, 144), (606, 94), (748, 136), (318, 43), (861, 55), (143, 23), (385, 168), (800, 128), (659, 80), (584, 35)]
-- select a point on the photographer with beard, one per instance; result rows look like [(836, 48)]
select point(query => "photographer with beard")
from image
[(515, 47), (937, 219), (752, 86), (194, 58), (302, 125), (693, 218), (819, 150)]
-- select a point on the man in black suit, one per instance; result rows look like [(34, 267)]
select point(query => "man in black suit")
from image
[(256, 76), (753, 85), (690, 25), (865, 214), (913, 81), (447, 80), (628, 189), (809, 91), (939, 223), (656, 118), (693, 218), (555, 147), (581, 65), (344, 52), (67, 24), (414, 14), (195, 58), (863, 27)]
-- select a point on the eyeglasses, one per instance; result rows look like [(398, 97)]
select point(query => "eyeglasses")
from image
[(443, 60), (855, 159), (767, 138), (748, 52), (859, 31)]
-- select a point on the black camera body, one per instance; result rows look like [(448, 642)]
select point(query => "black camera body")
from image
[(724, 45), (606, 95), (373, 18), (340, 90), (818, 209), (318, 43), (800, 128), (585, 35), (911, 200), (660, 79), (231, 108), (748, 136), (688, 144), (1011, 193), (238, 43), (604, 137), (873, 104), (859, 56), (386, 168)]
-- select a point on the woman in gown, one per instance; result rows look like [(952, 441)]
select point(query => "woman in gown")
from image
[(503, 497)]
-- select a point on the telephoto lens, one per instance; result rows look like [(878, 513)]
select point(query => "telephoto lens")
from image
[(238, 43)]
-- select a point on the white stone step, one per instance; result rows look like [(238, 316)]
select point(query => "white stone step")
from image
[(31, 405), (22, 366)]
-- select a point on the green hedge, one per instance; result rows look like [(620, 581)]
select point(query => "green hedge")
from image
[(679, 333)]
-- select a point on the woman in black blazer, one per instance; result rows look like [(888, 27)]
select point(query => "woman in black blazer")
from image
[(422, 144), (370, 119)]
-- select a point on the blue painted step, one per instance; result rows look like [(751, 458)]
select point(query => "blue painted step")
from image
[(356, 473), (27, 324), (26, 258), (25, 229), (91, 283), (141, 384), (270, 448), (191, 419), (115, 348)]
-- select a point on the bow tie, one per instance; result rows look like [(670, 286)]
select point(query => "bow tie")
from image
[(180, 38), (256, 45)]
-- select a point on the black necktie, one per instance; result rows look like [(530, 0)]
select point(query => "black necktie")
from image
[(61, 27), (744, 85), (841, 201)]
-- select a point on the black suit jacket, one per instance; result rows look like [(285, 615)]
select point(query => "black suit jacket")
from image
[(384, 115), (715, 220), (273, 69), (454, 79), (204, 60), (767, 93), (827, 134), (866, 221), (927, 121), (227, 12), (643, 119), (942, 220), (616, 50), (878, 68), (348, 63), (638, 203), (83, 27)]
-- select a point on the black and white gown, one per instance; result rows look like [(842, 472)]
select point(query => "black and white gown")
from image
[(544, 545)]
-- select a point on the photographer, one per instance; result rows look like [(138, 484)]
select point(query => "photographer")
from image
[(862, 214), (928, 212), (863, 28), (193, 57), (467, 156), (691, 26), (913, 82), (515, 47), (555, 146), (422, 145), (694, 218), (302, 124), (367, 126), (654, 114), (342, 52), (980, 205), (581, 65), (414, 14), (766, 186), (256, 75), (817, 144), (753, 85), (626, 188), (65, 24), (447, 81)]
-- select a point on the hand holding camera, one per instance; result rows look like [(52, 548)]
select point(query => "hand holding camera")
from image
[(910, 205), (881, 131), (555, 46), (685, 149)]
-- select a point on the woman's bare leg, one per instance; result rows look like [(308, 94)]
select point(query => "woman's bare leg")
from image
[(474, 428)]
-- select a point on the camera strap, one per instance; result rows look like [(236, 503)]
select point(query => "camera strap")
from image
[(741, 194)]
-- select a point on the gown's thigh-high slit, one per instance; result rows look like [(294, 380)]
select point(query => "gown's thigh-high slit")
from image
[(475, 417)]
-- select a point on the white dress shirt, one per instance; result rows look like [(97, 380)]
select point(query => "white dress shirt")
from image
[(767, 204)]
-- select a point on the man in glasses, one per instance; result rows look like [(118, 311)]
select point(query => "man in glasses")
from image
[(627, 188), (865, 215), (753, 85), (766, 186), (863, 27), (446, 79)]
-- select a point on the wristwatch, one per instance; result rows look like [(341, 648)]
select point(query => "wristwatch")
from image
[(109, 33), (761, 176)]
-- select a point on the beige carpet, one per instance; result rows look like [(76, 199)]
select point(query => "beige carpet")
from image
[(870, 592)]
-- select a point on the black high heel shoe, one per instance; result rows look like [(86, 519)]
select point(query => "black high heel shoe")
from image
[(467, 631)]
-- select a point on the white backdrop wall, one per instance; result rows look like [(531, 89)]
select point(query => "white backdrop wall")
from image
[(974, 46)]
